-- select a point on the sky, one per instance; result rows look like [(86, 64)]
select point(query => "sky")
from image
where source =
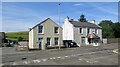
[(19, 16)]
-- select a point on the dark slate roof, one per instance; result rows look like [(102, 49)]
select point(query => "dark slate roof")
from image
[(84, 24)]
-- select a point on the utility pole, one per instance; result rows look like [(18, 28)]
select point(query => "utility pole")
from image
[(91, 36), (59, 20)]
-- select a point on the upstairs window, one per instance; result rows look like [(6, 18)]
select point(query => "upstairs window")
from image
[(95, 30), (56, 30), (40, 29), (80, 30), (88, 30)]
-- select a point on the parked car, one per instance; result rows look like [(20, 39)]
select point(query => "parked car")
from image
[(69, 44)]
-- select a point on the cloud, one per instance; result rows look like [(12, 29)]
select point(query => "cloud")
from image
[(78, 4), (18, 11), (108, 10)]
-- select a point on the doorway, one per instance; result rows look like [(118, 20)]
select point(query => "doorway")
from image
[(83, 40), (40, 42)]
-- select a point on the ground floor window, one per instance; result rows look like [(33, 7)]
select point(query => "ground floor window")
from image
[(56, 40), (48, 41)]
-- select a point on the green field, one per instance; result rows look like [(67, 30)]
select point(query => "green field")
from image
[(15, 35)]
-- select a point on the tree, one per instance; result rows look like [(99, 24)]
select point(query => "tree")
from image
[(116, 29), (20, 38), (107, 31), (82, 18)]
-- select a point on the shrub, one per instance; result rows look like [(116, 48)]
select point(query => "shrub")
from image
[(20, 38), (4, 44)]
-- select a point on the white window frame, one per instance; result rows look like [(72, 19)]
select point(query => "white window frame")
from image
[(50, 41), (58, 41), (96, 31), (42, 30), (58, 30), (89, 31)]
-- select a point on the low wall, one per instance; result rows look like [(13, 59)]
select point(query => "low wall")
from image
[(111, 40), (105, 41)]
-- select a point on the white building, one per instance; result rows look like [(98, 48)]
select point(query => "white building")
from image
[(82, 33)]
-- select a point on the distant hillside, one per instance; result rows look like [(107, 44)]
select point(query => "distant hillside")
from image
[(15, 35)]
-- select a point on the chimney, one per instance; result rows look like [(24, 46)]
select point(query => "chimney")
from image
[(92, 21), (67, 18), (29, 29), (71, 20)]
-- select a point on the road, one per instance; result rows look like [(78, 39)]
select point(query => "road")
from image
[(89, 55)]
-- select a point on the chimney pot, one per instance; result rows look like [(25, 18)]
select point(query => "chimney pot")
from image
[(92, 21)]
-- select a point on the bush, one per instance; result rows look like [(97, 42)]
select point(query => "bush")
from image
[(20, 38), (4, 45), (15, 45)]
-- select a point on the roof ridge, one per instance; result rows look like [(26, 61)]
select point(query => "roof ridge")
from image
[(84, 24)]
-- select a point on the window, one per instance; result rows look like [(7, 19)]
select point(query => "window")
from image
[(56, 30), (56, 41), (48, 41), (80, 30), (88, 30), (95, 30), (40, 29)]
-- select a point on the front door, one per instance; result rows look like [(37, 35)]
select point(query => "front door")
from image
[(82, 41), (40, 42)]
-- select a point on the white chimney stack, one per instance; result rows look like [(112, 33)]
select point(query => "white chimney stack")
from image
[(67, 18), (92, 21)]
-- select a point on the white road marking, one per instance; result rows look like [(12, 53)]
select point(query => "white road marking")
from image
[(87, 61), (54, 58), (66, 56), (79, 59), (25, 62), (1, 65), (51, 58), (36, 61), (14, 63), (58, 57), (44, 60)]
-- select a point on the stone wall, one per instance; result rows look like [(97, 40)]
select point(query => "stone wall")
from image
[(111, 40)]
